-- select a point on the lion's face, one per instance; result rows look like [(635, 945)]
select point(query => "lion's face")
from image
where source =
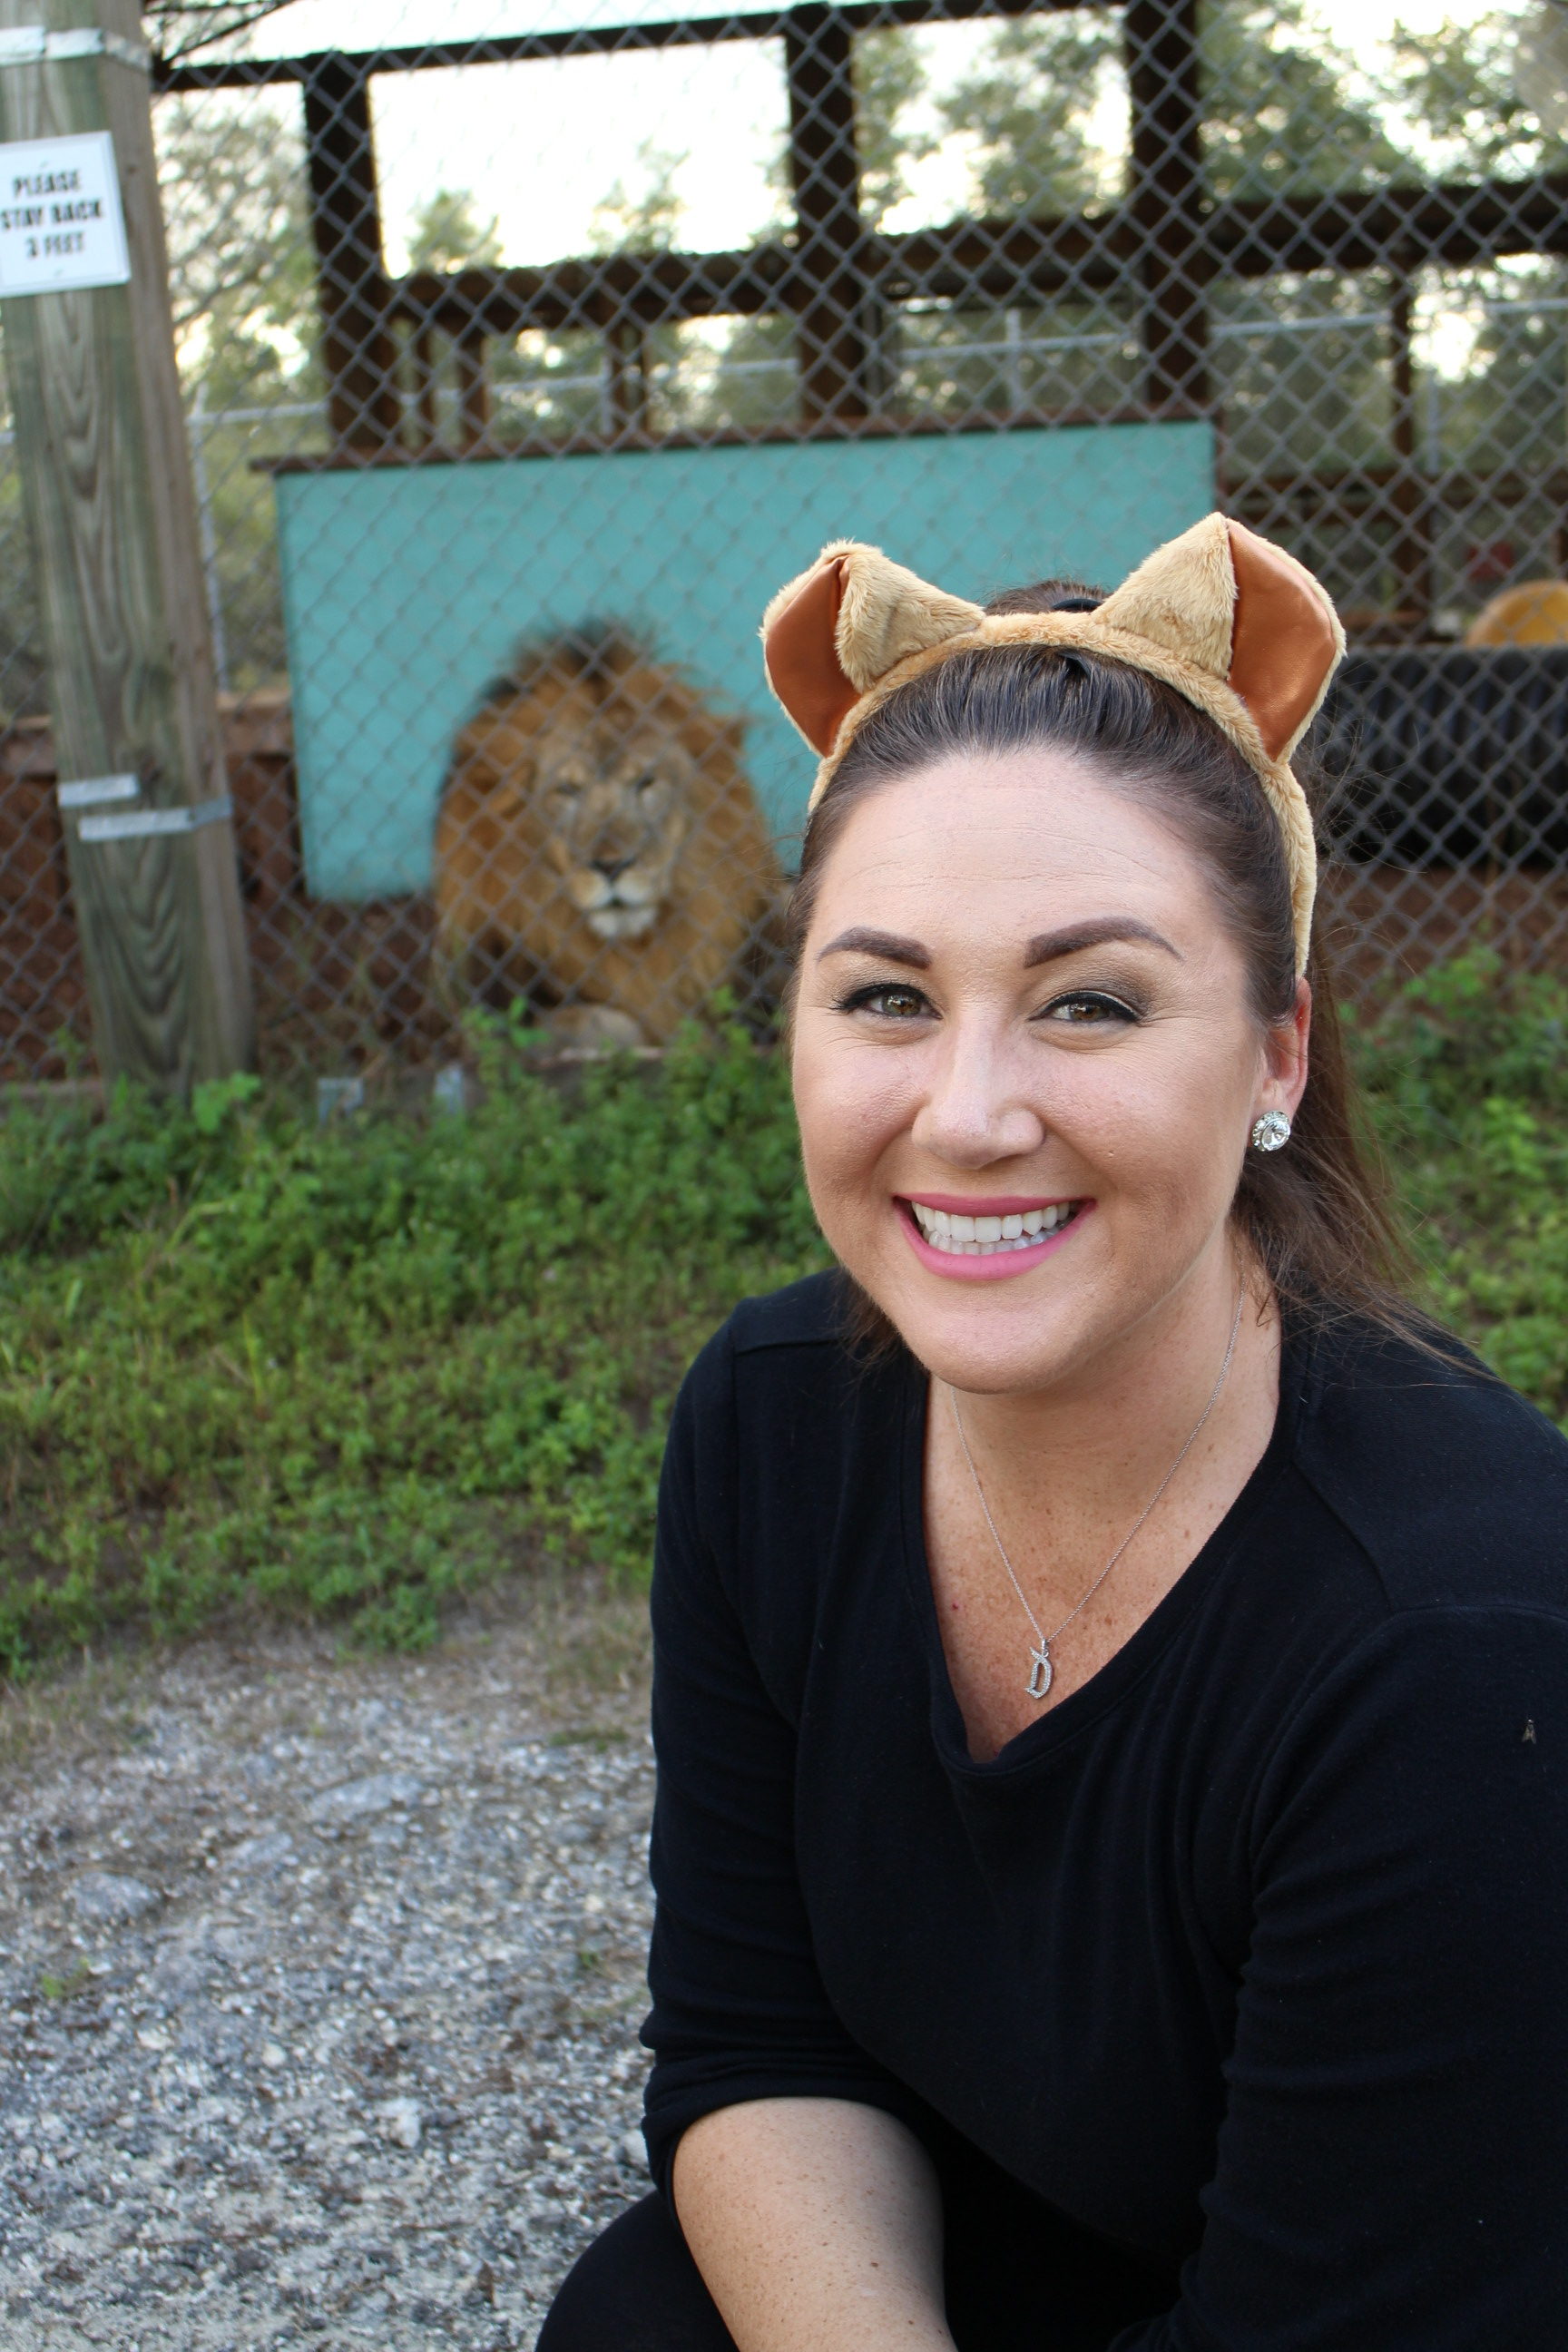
[(615, 795), (597, 839)]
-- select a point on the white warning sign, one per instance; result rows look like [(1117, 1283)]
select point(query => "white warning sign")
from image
[(60, 221)]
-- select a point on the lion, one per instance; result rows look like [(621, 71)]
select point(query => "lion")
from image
[(597, 844)]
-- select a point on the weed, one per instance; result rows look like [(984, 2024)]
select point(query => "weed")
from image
[(347, 1372), (76, 1979)]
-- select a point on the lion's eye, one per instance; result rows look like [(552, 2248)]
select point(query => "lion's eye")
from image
[(646, 781)]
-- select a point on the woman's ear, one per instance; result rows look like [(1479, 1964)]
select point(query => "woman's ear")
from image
[(1287, 1055), (834, 633)]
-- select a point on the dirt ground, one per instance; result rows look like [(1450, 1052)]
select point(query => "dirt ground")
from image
[(320, 1983)]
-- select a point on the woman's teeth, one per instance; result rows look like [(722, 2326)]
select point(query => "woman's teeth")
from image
[(989, 1236)]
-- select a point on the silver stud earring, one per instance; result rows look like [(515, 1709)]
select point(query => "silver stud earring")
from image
[(1271, 1132)]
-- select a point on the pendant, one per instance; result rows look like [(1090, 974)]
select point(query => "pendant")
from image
[(1039, 1680)]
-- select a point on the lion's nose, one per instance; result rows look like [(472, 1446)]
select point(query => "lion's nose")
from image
[(610, 867)]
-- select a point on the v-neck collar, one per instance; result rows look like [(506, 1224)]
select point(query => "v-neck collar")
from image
[(1042, 1739)]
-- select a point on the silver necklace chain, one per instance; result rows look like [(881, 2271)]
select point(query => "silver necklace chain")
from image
[(1041, 1671)]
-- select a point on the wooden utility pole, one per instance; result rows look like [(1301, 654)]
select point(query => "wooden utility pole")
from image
[(106, 477)]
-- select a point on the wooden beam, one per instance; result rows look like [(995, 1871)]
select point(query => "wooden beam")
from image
[(829, 290), (597, 40), (995, 262), (421, 358), (473, 393), (106, 477), (358, 355), (626, 381), (1161, 39), (1410, 549)]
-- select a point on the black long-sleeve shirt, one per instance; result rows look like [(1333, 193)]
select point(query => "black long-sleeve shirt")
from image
[(1251, 1957)]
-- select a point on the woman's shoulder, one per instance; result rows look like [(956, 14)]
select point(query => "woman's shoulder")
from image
[(783, 1401), (779, 1419), (804, 1315), (1454, 1484), (807, 1314), (803, 1332)]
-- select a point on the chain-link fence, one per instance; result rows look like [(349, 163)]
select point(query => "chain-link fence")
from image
[(522, 366)]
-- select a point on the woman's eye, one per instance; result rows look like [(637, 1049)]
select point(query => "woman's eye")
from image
[(1089, 1009), (891, 1003)]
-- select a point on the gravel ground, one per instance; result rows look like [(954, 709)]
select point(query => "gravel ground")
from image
[(319, 1991)]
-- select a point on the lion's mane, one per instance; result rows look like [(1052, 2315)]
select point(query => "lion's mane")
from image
[(598, 842)]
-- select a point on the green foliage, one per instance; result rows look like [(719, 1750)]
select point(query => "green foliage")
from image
[(1286, 110), (1468, 1075), (1460, 81), (889, 78), (347, 1370), (241, 266), (1027, 110), (249, 1363), (447, 233), (184, 28), (645, 223)]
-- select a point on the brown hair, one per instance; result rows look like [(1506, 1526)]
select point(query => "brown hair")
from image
[(1316, 1216)]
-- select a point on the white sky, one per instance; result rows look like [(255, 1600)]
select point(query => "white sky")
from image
[(540, 145)]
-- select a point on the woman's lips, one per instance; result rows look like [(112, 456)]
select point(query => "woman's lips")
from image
[(999, 1253), (989, 1204)]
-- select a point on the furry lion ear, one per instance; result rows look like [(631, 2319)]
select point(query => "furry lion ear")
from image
[(834, 632), (1286, 641), (1239, 607)]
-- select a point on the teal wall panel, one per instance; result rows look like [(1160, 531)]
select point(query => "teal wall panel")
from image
[(405, 590)]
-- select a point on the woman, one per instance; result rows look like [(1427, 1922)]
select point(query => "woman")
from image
[(1111, 1683)]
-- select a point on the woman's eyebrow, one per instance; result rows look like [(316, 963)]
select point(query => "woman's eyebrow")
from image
[(886, 944), (1049, 945)]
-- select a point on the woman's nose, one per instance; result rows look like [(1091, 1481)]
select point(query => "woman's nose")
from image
[(976, 1111)]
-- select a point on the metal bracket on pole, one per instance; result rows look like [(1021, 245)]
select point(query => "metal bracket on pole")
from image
[(135, 822), (35, 44), (89, 790)]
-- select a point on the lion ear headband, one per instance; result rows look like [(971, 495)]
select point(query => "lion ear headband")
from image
[(1233, 624)]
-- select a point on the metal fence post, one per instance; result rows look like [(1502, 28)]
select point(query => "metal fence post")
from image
[(106, 473)]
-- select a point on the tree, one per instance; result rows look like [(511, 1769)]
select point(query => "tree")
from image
[(1027, 110), (446, 234), (241, 267), (182, 28), (1285, 111), (889, 76), (1460, 84), (243, 283), (645, 223)]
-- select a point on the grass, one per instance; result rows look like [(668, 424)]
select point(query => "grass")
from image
[(344, 1372), (251, 1365)]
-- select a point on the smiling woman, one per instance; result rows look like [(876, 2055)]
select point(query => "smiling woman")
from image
[(1113, 1658)]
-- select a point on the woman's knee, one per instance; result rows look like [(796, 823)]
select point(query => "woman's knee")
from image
[(636, 2289)]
